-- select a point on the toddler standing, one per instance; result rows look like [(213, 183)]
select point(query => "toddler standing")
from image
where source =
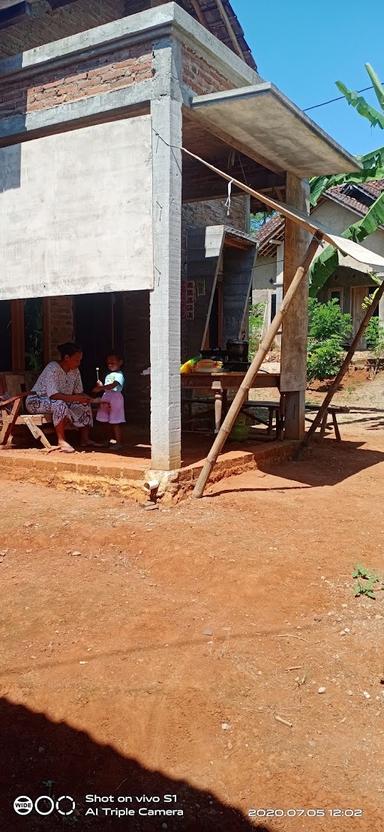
[(111, 409)]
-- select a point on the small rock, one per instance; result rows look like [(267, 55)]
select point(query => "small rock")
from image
[(207, 631), (378, 616), (366, 694), (350, 692), (317, 617), (76, 554), (150, 506), (321, 690), (225, 726), (41, 749)]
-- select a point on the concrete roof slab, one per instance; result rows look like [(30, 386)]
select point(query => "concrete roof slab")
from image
[(263, 120)]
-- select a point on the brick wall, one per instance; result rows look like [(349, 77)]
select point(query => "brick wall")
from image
[(200, 76), (86, 78), (214, 212), (45, 25), (59, 324)]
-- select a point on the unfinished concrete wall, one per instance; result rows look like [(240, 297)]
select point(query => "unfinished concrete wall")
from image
[(81, 219)]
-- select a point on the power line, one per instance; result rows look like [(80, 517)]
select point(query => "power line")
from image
[(332, 100)]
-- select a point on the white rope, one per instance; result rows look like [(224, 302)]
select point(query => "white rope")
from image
[(227, 203)]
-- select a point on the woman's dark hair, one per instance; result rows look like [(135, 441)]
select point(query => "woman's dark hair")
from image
[(69, 348)]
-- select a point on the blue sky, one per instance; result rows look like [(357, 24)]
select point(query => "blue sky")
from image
[(304, 46)]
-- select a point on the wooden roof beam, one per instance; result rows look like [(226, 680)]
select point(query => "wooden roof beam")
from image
[(199, 13), (229, 28)]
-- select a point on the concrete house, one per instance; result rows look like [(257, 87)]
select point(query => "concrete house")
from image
[(109, 231), (338, 208)]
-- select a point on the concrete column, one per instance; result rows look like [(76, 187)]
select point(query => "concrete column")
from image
[(165, 297), (295, 326)]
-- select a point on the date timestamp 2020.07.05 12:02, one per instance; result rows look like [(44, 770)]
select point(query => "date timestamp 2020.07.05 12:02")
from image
[(257, 814)]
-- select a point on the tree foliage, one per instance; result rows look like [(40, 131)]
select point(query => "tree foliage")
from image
[(328, 330), (372, 169)]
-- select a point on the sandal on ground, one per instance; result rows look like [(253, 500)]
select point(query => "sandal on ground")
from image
[(66, 448), (92, 444)]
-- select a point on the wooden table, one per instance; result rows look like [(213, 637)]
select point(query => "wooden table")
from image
[(219, 382)]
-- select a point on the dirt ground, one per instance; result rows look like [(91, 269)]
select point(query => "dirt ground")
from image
[(213, 652)]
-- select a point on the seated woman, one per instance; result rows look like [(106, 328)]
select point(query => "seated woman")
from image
[(59, 391)]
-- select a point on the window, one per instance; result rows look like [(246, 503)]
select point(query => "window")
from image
[(336, 294)]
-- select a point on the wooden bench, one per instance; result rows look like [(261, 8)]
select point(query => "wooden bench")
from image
[(332, 411), (13, 392), (12, 395), (275, 418)]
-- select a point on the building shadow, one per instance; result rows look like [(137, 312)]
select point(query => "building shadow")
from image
[(41, 757), (322, 464)]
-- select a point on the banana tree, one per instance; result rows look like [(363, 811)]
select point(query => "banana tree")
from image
[(372, 169)]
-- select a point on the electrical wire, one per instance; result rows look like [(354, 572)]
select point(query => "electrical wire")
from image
[(332, 100)]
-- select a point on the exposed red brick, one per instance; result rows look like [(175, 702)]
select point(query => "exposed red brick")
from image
[(200, 76), (80, 80)]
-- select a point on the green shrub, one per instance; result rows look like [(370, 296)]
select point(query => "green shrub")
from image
[(256, 321), (326, 320), (328, 331), (372, 333), (324, 359), (374, 337)]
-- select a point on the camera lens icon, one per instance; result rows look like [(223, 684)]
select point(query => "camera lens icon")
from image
[(23, 805)]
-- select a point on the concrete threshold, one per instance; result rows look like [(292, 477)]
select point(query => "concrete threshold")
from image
[(112, 474)]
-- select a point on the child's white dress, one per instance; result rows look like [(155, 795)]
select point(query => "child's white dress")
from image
[(114, 413)]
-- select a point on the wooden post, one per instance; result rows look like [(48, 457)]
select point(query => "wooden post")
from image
[(246, 384), (295, 328), (343, 369)]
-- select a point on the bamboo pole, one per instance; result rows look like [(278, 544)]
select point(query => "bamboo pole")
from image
[(343, 369), (246, 384)]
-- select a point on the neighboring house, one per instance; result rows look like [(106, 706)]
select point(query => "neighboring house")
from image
[(338, 208), (109, 232)]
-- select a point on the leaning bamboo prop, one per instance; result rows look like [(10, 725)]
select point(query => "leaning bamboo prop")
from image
[(247, 382), (343, 369)]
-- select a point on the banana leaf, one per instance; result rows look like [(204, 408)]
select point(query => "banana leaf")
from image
[(372, 169), (361, 105), (326, 263), (377, 85)]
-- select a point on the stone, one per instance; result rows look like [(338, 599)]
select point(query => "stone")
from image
[(321, 690)]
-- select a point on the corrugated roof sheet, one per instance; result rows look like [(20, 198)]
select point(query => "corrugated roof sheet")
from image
[(346, 195)]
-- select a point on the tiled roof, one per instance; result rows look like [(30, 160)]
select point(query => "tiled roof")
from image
[(357, 198)]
